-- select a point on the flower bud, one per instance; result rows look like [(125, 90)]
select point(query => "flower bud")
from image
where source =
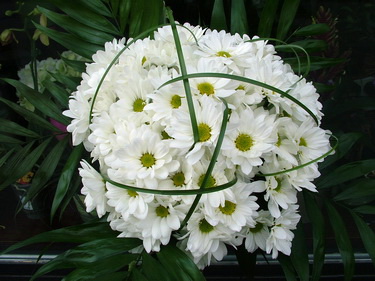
[(6, 37)]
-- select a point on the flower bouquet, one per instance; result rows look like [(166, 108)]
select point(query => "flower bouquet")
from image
[(193, 143)]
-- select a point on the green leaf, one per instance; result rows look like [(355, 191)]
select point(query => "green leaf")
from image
[(144, 14), (124, 12), (40, 101), (8, 139), (238, 19), (299, 255), (78, 29), (7, 126), (78, 11), (87, 254), (80, 66), (362, 188), (138, 276), (287, 15), (345, 143), (316, 63), (115, 276), (46, 169), (73, 234), (22, 163), (365, 209), (287, 267), (312, 29), (59, 93), (75, 184), (70, 83), (351, 105), (218, 19), (71, 42), (310, 45), (346, 172), (367, 235), (6, 156), (179, 265), (318, 234), (65, 178), (30, 116), (151, 268), (103, 267), (267, 18), (342, 240)]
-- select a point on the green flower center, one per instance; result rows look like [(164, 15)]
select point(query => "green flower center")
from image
[(144, 60), (244, 142), (138, 105), (228, 208), (278, 140), (210, 183), (178, 179), (161, 211), (205, 227), (302, 142), (204, 132), (148, 160), (279, 184), (240, 87), (258, 227), (176, 101), (223, 54), (165, 136), (206, 88), (132, 193)]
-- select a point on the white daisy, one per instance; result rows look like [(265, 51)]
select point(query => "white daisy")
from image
[(245, 145), (256, 236), (93, 189)]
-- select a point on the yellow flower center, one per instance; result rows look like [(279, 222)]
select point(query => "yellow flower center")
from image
[(204, 132), (223, 54), (178, 179), (148, 160), (228, 208), (176, 101), (161, 211), (244, 142), (138, 105), (206, 88), (205, 227)]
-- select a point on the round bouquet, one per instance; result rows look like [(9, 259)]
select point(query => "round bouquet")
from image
[(200, 136)]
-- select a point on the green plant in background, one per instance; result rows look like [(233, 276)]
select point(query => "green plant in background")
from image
[(345, 187)]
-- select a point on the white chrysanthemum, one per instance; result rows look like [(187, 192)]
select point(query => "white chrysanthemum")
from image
[(238, 211), (313, 141), (281, 236), (204, 238), (141, 134), (93, 189), (79, 111), (257, 235), (231, 50), (161, 220), (211, 86), (147, 158), (128, 202), (251, 138), (209, 114)]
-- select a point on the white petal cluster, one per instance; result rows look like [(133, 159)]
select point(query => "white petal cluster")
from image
[(139, 132)]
